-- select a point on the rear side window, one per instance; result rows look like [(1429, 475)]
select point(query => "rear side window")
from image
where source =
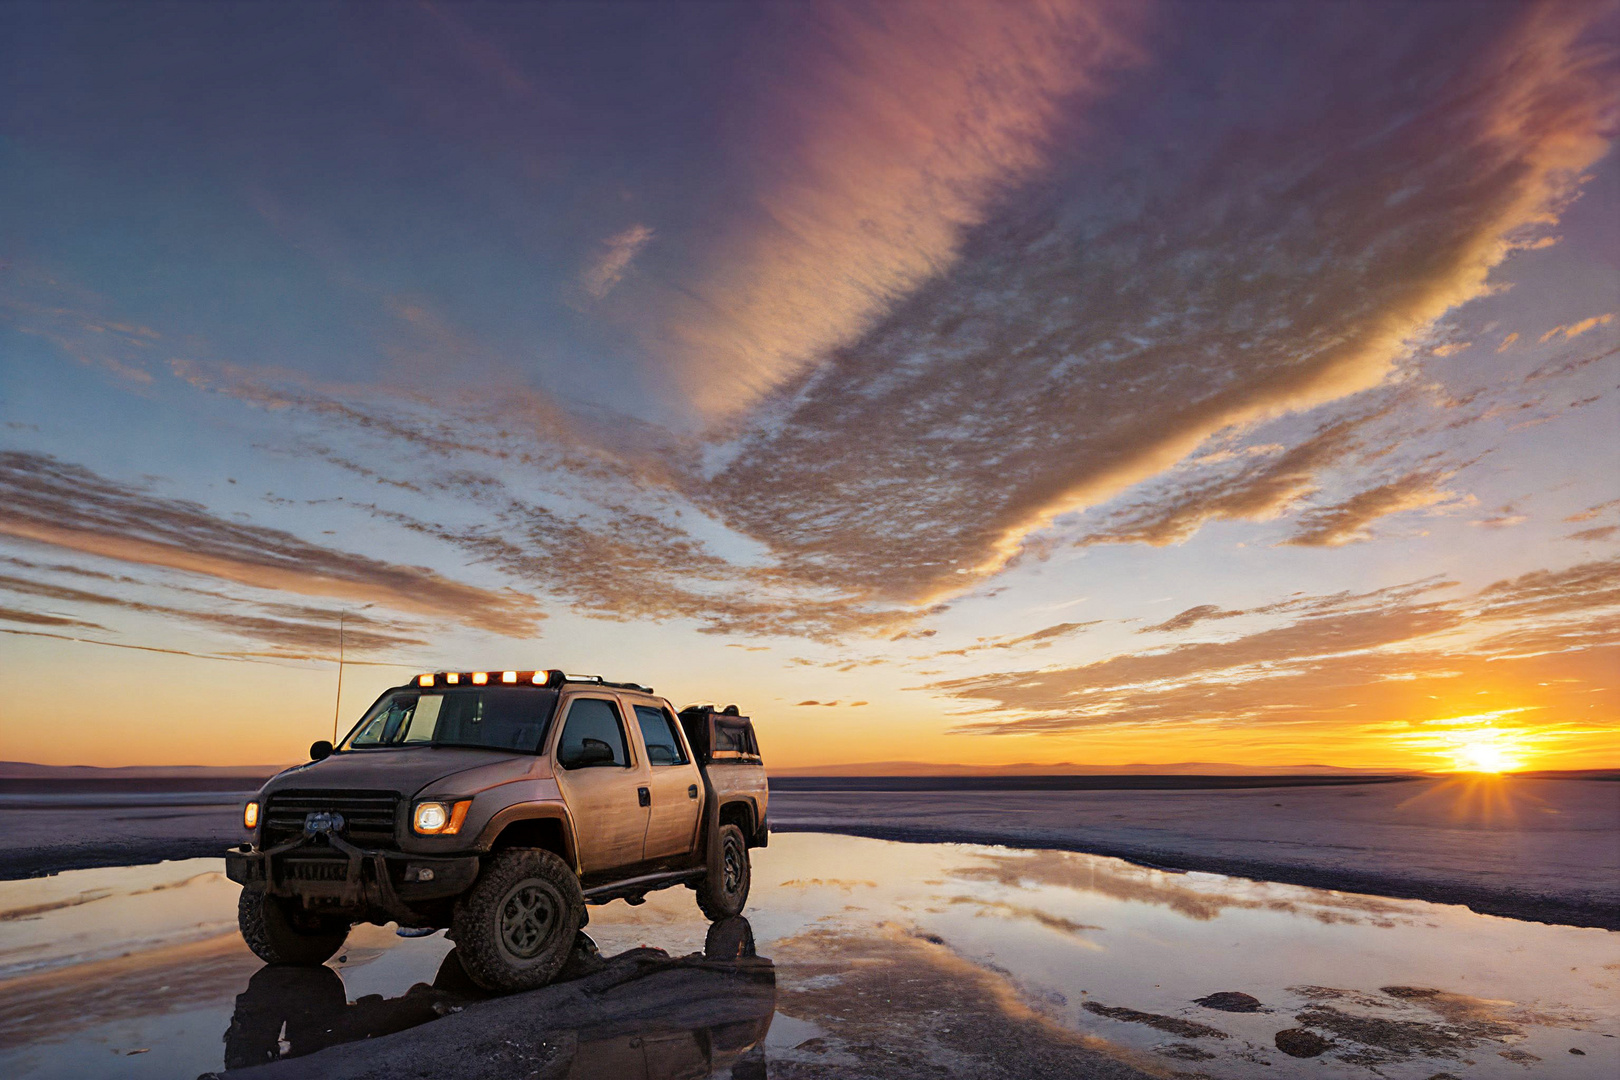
[(592, 718), (733, 738), (658, 732)]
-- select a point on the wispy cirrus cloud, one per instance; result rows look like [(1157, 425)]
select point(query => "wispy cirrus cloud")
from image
[(1541, 641), (54, 503), (1351, 520), (292, 630), (877, 138), (1241, 489), (983, 271), (1576, 329), (609, 265), (1083, 343)]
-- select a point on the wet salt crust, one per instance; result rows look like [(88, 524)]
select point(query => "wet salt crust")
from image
[(887, 959)]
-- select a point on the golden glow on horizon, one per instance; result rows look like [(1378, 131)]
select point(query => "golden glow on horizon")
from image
[(1484, 751), (180, 710)]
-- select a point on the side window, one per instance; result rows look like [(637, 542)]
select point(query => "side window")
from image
[(658, 732), (593, 724), (734, 738)]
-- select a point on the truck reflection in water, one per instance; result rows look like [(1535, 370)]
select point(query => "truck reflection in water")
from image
[(641, 1014)]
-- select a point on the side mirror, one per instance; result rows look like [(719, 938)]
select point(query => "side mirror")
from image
[(320, 750), (591, 752)]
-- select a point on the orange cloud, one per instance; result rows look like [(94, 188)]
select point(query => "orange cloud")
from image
[(66, 506), (1080, 346), (1349, 521), (1576, 329), (884, 138), (1542, 644)]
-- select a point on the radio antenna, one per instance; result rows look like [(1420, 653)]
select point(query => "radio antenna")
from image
[(337, 704)]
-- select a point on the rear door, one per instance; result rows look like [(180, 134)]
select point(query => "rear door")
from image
[(609, 811), (674, 783)]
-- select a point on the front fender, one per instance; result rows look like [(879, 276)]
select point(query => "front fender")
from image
[(533, 812)]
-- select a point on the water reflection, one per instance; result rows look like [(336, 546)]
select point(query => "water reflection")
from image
[(289, 1011), (641, 1014), (888, 960)]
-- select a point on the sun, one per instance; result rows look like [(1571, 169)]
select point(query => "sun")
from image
[(1483, 750)]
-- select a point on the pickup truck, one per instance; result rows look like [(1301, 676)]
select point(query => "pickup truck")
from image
[(497, 805)]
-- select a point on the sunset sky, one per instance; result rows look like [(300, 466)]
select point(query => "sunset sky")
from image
[(948, 382)]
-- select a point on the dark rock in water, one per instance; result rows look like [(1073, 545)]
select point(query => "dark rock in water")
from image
[(1297, 1042), (1445, 1076), (1186, 1052), (1410, 993), (1175, 1025), (1387, 1039), (1577, 1052), (1230, 1001)]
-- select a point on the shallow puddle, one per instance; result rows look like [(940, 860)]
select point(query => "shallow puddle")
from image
[(877, 947)]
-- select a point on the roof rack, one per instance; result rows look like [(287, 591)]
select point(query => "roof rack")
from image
[(599, 681)]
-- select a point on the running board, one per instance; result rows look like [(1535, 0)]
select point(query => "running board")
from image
[(634, 888)]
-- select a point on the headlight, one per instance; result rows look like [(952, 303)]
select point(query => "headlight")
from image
[(432, 817), (250, 816), (438, 819)]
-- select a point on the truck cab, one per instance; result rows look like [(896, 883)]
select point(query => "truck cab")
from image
[(497, 805)]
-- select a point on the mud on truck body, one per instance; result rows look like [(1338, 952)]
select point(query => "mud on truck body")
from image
[(497, 805)]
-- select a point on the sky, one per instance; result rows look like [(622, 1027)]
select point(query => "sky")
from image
[(942, 382)]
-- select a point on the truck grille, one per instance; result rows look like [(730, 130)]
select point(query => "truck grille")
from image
[(315, 869), (368, 816)]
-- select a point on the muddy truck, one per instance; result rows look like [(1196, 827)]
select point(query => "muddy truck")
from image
[(497, 805)]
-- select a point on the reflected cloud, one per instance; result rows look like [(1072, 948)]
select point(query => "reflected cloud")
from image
[(1200, 902), (1000, 909)]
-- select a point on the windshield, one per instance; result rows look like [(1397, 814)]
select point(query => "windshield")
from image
[(500, 718)]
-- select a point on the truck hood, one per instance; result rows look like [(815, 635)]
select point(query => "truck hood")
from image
[(407, 770)]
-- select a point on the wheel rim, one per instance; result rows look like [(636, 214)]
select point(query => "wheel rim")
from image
[(733, 868), (528, 914)]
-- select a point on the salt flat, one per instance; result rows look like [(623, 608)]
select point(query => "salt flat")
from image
[(1526, 848), (870, 960), (1542, 849)]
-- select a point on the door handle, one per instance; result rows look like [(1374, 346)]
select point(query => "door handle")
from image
[(644, 796), (691, 791)]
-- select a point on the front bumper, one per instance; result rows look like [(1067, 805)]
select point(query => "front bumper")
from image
[(327, 871)]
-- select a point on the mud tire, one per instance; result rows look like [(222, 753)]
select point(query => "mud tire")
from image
[(723, 895), (516, 926), (277, 938)]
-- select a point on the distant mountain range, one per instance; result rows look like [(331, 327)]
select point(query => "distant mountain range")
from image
[(236, 777), (24, 770)]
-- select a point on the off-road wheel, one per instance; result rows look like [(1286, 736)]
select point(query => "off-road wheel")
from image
[(515, 927), (724, 889), (280, 934)]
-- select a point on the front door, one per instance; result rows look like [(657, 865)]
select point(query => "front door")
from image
[(674, 783), (610, 816)]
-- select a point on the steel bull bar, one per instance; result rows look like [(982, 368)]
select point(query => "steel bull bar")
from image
[(361, 878)]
